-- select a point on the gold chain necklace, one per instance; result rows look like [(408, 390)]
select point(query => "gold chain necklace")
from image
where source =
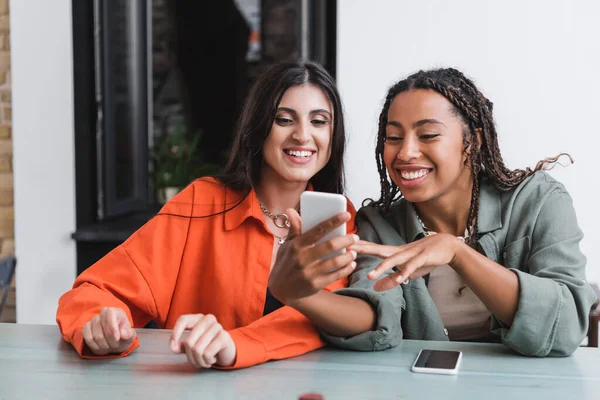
[(428, 232), (280, 220)]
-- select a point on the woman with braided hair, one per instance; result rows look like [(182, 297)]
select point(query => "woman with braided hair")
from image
[(458, 246)]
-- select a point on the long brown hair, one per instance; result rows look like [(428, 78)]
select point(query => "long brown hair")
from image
[(242, 171), (475, 111)]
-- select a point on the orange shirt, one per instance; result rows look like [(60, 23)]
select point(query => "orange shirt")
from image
[(176, 265)]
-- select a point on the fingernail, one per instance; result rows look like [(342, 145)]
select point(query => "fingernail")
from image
[(353, 253), (399, 279), (353, 264), (356, 238)]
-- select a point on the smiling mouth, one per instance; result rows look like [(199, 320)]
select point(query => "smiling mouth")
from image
[(299, 153), (413, 175)]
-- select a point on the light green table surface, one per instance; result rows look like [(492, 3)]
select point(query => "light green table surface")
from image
[(36, 364)]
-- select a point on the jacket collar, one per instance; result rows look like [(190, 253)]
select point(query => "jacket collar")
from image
[(414, 229), (489, 217)]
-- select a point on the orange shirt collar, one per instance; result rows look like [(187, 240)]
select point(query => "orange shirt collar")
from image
[(249, 207)]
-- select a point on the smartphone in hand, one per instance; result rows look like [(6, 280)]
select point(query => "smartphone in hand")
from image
[(316, 207)]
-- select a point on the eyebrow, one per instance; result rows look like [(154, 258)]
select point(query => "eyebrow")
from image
[(418, 123), (316, 111)]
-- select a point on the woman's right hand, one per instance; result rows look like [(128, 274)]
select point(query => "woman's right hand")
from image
[(299, 270), (109, 332)]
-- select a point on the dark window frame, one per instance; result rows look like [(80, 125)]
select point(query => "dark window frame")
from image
[(109, 204), (95, 236)]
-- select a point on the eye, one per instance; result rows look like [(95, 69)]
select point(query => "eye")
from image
[(319, 122), (283, 121), (430, 136), (392, 139)]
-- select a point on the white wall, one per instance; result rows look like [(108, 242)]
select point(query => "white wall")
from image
[(42, 95), (538, 61)]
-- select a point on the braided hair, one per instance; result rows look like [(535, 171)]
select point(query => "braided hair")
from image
[(475, 111)]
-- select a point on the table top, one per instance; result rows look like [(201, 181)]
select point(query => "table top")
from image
[(36, 363)]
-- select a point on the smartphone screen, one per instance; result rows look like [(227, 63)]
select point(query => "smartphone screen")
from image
[(438, 359)]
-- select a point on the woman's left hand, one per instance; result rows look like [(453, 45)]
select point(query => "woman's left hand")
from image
[(206, 345), (413, 260)]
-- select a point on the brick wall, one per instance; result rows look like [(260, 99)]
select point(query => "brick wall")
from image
[(7, 218)]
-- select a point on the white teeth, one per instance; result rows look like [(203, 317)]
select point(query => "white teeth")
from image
[(296, 153), (413, 174)]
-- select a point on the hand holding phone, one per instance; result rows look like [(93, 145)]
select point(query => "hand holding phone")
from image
[(304, 265), (316, 207), (444, 362)]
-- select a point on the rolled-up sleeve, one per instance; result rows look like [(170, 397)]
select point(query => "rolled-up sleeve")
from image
[(388, 305), (554, 298)]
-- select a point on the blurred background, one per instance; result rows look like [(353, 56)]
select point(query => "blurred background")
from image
[(118, 104)]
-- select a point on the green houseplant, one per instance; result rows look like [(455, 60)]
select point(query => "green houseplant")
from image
[(176, 161)]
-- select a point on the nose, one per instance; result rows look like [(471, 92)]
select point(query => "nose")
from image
[(410, 149), (301, 133)]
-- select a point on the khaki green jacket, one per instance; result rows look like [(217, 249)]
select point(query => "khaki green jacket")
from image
[(531, 229)]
